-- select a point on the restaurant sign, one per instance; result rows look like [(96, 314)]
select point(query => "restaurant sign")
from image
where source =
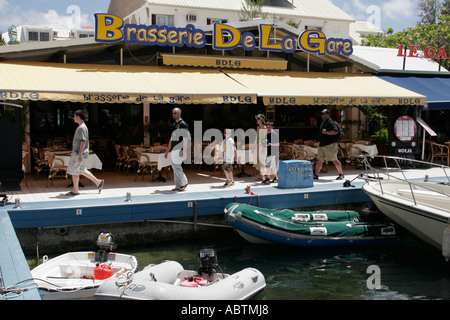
[(131, 98), (339, 101), (111, 28), (430, 52)]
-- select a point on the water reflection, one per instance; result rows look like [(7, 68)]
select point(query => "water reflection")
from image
[(408, 269)]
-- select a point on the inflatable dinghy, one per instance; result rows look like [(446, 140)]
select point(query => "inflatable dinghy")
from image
[(307, 228), (169, 281)]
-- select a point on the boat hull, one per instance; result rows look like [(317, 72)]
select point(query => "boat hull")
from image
[(259, 233), (74, 275), (422, 215), (165, 282)]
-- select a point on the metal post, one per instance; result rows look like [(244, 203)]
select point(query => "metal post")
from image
[(195, 216)]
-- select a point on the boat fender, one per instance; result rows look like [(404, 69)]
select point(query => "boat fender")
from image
[(446, 242), (102, 272)]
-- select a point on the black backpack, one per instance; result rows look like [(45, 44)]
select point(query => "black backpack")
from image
[(340, 135)]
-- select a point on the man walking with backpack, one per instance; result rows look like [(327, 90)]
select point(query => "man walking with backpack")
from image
[(330, 134)]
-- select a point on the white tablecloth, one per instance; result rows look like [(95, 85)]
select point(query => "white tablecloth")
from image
[(246, 156), (160, 159), (310, 151), (371, 150), (92, 162)]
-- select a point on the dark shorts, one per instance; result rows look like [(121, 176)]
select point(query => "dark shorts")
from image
[(227, 167)]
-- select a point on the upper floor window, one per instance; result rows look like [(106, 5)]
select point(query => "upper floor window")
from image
[(191, 17), (215, 20), (33, 36), (312, 28), (38, 36), (44, 36), (163, 20)]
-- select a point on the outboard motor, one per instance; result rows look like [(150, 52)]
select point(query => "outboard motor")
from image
[(207, 259), (105, 242)]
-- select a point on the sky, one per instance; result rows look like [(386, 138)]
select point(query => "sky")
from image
[(385, 14), (398, 14)]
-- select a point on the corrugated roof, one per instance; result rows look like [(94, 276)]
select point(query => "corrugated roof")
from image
[(322, 9), (388, 59)]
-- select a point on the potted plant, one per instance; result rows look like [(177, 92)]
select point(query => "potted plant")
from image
[(380, 138)]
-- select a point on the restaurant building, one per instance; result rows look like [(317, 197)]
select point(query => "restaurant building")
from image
[(222, 74)]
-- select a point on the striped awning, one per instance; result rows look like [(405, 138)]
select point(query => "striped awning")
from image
[(322, 88), (183, 85), (119, 84)]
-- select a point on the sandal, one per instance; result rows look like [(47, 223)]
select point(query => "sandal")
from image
[(340, 177), (175, 189), (100, 186), (182, 188), (71, 194), (316, 177)]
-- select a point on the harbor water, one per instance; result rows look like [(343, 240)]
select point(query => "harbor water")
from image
[(407, 270)]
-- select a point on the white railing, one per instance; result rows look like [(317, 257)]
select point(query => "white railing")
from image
[(394, 164)]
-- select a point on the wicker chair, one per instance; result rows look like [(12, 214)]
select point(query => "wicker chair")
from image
[(145, 165), (39, 164), (131, 158), (120, 157), (439, 151), (57, 169)]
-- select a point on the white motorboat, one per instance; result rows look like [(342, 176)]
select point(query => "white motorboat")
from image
[(421, 207), (77, 275), (169, 281)]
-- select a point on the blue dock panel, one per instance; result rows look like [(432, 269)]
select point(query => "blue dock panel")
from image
[(14, 268), (181, 205)]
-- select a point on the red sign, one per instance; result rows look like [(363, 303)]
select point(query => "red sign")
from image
[(430, 52)]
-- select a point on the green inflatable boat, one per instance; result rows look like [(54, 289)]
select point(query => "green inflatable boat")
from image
[(307, 228)]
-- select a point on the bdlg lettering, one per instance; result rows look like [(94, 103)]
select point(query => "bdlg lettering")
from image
[(19, 95)]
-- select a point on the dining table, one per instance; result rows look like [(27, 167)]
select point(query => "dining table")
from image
[(245, 156), (311, 151), (368, 149), (92, 162), (160, 159)]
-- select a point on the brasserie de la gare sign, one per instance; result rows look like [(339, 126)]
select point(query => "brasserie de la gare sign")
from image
[(111, 28)]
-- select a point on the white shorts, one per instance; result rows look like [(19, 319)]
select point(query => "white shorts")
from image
[(76, 168)]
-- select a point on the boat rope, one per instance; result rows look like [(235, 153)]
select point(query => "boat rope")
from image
[(17, 289), (124, 279), (58, 288), (247, 189)]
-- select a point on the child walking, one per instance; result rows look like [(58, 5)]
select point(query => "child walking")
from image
[(229, 156)]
